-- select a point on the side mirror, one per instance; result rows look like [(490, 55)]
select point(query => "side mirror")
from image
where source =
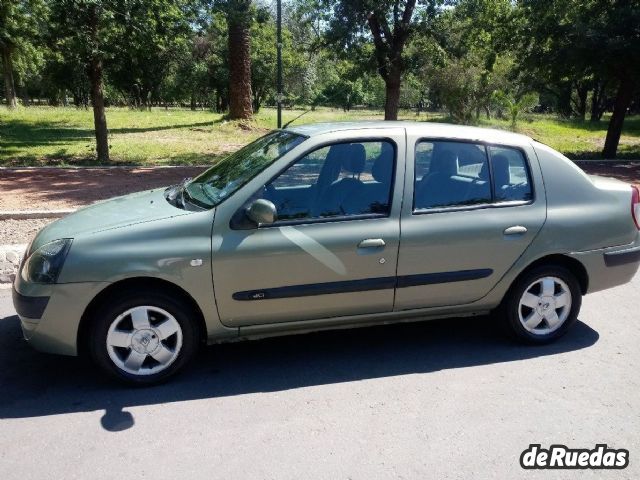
[(262, 212)]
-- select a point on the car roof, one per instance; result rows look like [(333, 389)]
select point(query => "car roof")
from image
[(426, 129)]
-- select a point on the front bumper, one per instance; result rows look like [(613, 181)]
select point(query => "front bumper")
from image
[(50, 314), (29, 307)]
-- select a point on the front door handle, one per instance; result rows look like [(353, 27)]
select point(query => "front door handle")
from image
[(516, 230), (372, 243)]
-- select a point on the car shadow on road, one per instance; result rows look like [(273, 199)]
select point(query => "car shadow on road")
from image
[(35, 384)]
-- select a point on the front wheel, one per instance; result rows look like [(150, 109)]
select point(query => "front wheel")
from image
[(542, 304), (143, 338)]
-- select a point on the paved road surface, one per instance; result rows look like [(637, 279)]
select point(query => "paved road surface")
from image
[(445, 399)]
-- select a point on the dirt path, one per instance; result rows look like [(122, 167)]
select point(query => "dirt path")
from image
[(63, 188), (626, 171), (55, 189)]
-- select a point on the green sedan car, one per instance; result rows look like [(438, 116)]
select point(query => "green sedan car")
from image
[(328, 226)]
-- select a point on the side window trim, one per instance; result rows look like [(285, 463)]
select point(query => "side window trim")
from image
[(310, 221), (481, 206), (492, 181)]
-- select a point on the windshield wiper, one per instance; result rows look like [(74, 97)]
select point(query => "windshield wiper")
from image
[(184, 193), (178, 191)]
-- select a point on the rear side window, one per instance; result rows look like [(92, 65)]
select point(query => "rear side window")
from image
[(510, 175), (451, 174)]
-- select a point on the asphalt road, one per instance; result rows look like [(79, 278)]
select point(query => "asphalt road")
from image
[(444, 399)]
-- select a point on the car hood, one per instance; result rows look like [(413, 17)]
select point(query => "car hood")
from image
[(117, 212)]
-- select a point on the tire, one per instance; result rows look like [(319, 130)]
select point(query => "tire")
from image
[(143, 338), (535, 316)]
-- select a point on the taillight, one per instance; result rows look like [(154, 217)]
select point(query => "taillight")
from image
[(635, 205)]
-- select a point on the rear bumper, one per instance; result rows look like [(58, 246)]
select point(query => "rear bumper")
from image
[(622, 257), (610, 267)]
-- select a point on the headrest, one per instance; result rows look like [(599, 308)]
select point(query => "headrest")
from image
[(382, 169), (445, 162), (333, 163), (355, 159)]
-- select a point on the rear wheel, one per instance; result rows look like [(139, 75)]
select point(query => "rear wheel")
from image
[(542, 304), (143, 338)]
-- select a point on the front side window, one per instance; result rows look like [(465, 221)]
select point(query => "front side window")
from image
[(345, 179), (231, 173), (451, 174)]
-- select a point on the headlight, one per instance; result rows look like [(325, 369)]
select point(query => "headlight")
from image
[(44, 265)]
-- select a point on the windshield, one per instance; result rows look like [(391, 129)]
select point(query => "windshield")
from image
[(231, 173)]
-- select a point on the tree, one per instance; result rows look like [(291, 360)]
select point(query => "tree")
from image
[(297, 64), (86, 28), (617, 31), (239, 15), (343, 87), (191, 79), (151, 37), (390, 24), (19, 26), (578, 38), (471, 59), (263, 58)]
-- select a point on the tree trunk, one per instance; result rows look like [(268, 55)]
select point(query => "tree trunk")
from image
[(564, 100), (192, 105), (596, 101), (392, 96), (240, 62), (623, 100), (97, 94), (582, 92), (388, 51), (9, 86), (99, 117)]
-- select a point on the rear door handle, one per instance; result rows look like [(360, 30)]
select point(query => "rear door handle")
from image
[(516, 230), (372, 243)]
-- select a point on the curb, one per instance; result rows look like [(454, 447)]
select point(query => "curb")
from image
[(10, 258), (606, 163), (33, 214)]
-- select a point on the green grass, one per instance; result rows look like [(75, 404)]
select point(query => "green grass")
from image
[(64, 136), (577, 139)]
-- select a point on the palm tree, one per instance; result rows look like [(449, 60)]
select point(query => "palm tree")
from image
[(239, 24)]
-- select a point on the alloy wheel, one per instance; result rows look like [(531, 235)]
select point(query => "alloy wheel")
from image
[(144, 340), (545, 305)]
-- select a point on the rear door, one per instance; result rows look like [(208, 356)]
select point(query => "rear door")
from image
[(333, 251), (470, 211)]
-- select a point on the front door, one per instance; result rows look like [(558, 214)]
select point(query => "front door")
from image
[(332, 251), (473, 212)]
